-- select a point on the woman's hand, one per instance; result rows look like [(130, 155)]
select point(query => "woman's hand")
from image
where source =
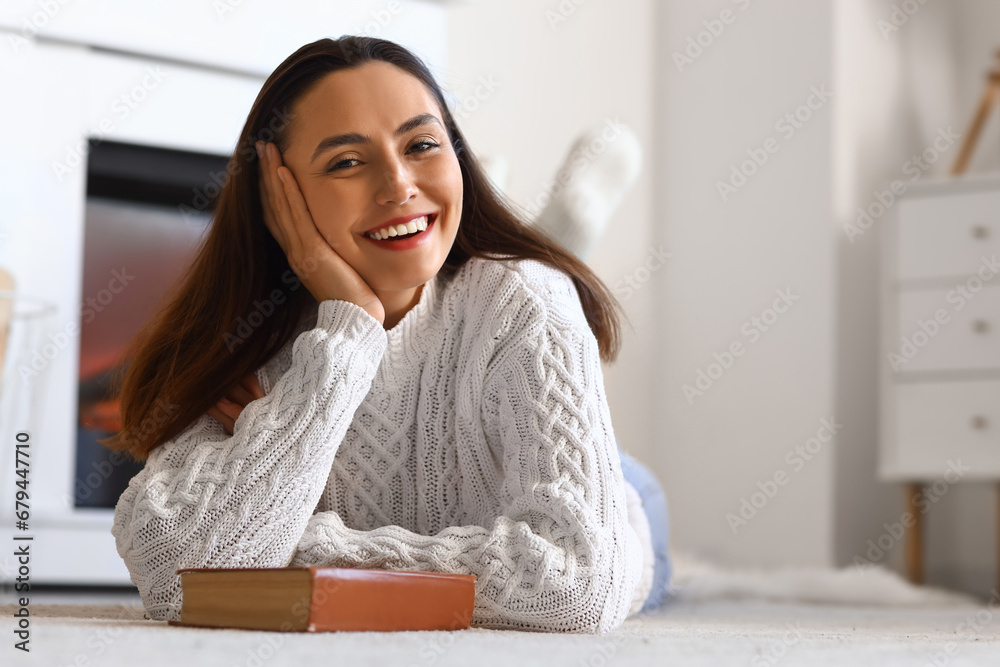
[(229, 407), (324, 273)]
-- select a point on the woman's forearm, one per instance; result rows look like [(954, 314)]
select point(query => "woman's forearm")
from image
[(206, 499)]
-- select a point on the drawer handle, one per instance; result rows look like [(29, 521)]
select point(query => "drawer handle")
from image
[(979, 422), (980, 326), (980, 232)]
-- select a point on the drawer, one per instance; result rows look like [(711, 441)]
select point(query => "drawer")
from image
[(941, 422), (969, 339), (947, 234)]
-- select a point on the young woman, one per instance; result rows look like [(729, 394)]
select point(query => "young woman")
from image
[(374, 363)]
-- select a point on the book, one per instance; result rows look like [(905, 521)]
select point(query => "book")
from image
[(325, 599)]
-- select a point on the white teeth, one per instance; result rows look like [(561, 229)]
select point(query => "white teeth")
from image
[(415, 225)]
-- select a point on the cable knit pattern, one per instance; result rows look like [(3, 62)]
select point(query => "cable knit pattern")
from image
[(473, 437)]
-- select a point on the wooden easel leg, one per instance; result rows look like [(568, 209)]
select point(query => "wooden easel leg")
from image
[(914, 554), (985, 105)]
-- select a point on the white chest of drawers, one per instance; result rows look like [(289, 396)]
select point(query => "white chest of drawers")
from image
[(939, 367)]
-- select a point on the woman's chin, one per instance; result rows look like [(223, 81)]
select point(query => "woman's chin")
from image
[(405, 277)]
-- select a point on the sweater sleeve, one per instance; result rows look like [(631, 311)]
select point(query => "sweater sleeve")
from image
[(561, 556), (208, 499)]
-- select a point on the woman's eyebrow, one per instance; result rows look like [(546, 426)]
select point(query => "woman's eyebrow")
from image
[(357, 138)]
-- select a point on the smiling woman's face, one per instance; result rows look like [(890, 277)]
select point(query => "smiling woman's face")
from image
[(397, 163)]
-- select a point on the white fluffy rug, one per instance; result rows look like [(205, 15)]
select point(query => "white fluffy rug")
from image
[(716, 617)]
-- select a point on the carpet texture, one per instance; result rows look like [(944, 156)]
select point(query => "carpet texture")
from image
[(715, 617)]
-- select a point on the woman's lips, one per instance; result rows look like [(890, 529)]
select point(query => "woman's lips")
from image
[(407, 242)]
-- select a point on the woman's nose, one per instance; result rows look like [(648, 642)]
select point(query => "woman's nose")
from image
[(397, 187)]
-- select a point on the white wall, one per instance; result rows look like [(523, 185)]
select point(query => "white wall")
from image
[(773, 233)]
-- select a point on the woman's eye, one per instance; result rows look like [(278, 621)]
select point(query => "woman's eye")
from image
[(345, 164), (341, 165), (425, 143)]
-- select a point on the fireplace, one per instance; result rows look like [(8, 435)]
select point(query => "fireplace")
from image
[(147, 210)]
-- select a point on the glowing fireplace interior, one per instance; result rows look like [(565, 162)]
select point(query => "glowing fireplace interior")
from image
[(147, 210)]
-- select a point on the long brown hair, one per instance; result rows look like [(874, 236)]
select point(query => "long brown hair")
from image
[(204, 338)]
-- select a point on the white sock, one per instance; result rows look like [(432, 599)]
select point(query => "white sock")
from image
[(599, 170)]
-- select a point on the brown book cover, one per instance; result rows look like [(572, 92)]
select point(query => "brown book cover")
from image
[(325, 599)]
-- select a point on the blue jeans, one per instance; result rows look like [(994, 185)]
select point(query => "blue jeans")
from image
[(654, 502)]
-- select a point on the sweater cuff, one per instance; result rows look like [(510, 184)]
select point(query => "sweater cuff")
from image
[(354, 322)]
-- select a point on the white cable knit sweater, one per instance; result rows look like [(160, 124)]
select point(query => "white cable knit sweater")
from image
[(473, 437)]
